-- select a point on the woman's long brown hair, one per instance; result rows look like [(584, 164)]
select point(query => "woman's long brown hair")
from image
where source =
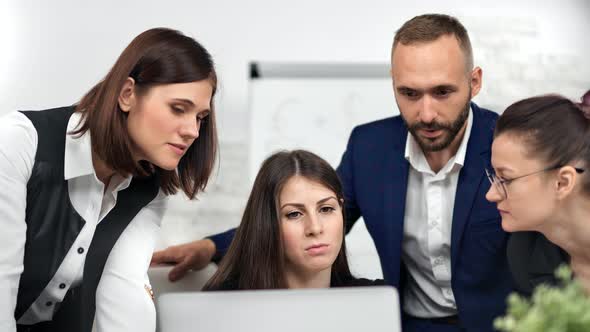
[(255, 258), (155, 57)]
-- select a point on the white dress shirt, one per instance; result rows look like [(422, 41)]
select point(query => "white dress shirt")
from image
[(122, 302), (426, 244)]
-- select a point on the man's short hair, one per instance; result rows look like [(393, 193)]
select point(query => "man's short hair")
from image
[(430, 27)]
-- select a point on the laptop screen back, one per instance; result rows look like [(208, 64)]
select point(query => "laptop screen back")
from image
[(356, 309)]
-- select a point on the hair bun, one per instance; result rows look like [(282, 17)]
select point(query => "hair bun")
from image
[(585, 104), (586, 99)]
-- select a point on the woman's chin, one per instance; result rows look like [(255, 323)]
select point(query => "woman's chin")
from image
[(508, 225), (319, 264), (168, 165)]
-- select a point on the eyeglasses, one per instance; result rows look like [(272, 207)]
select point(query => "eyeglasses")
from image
[(501, 183)]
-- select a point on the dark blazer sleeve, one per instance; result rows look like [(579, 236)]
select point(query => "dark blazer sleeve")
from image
[(222, 242), (533, 260), (346, 173)]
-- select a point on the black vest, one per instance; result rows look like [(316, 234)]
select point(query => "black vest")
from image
[(53, 224)]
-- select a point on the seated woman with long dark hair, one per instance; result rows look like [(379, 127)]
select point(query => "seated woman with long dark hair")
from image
[(292, 230), (540, 183)]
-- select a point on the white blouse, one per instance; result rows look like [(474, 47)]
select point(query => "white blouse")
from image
[(122, 302)]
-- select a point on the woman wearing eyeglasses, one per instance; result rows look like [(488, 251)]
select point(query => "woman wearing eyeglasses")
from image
[(540, 183)]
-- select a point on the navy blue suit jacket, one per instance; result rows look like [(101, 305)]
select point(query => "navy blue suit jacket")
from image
[(374, 174)]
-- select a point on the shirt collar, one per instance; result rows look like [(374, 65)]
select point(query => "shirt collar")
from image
[(78, 155), (415, 156)]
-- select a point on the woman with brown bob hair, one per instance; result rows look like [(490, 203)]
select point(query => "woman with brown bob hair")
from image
[(292, 230), (540, 183), (84, 188)]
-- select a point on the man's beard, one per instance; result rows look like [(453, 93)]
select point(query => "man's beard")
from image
[(450, 131)]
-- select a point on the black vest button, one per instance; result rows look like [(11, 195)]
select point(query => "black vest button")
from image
[(49, 303), (80, 250), (62, 286)]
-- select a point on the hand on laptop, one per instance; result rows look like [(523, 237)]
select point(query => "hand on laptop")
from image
[(193, 255)]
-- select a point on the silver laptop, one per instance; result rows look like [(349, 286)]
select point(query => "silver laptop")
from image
[(355, 309)]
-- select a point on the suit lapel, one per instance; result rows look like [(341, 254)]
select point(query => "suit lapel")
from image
[(470, 180), (394, 203)]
